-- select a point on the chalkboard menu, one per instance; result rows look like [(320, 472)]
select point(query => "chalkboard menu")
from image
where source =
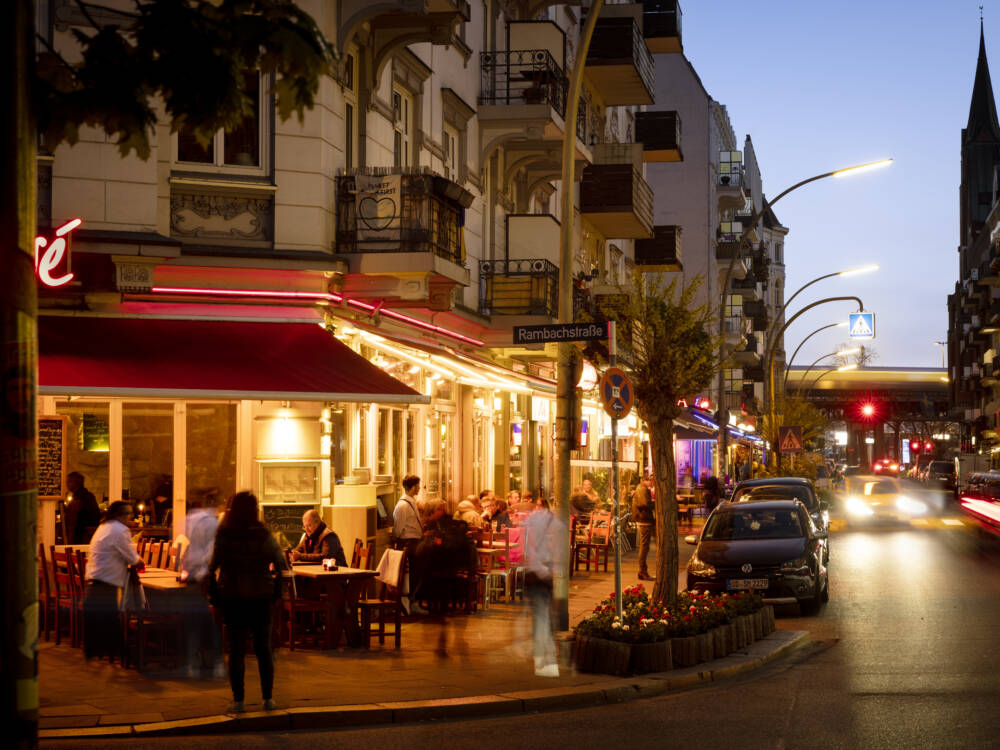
[(95, 436), (51, 457), (285, 522)]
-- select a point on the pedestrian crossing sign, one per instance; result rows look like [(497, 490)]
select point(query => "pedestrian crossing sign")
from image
[(790, 439), (861, 325)]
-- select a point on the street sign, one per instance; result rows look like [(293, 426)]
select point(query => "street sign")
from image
[(617, 393), (560, 332), (861, 325), (790, 439)]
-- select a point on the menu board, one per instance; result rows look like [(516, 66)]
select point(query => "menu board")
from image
[(95, 435), (285, 522), (51, 457)]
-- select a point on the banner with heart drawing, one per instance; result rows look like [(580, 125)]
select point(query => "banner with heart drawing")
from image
[(378, 202)]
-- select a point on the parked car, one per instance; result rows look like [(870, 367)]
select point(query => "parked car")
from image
[(882, 500), (941, 474), (771, 546), (780, 488)]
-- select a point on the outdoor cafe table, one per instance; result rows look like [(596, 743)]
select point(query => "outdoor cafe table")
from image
[(342, 587)]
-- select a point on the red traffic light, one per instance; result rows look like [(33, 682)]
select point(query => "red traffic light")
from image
[(928, 446), (915, 446)]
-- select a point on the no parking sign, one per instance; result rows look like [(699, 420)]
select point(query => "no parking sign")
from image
[(617, 393)]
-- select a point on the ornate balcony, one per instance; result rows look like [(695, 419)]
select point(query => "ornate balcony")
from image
[(662, 252), (746, 288), (661, 26), (528, 287), (660, 135), (401, 234), (619, 64)]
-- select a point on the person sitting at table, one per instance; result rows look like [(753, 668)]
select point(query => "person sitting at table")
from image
[(498, 515), (111, 553), (523, 504), (318, 543), (467, 512), (83, 514), (587, 488)]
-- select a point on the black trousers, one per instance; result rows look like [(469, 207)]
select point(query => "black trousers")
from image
[(249, 617), (102, 624)]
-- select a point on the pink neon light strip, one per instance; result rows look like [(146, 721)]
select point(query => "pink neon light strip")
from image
[(982, 508), (319, 296)]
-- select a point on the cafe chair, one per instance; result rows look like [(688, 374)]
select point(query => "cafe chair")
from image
[(598, 542), (46, 601), (300, 617), (376, 611), (62, 589), (78, 569), (356, 554)]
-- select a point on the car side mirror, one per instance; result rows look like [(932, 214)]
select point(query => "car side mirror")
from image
[(691, 539), (822, 535)]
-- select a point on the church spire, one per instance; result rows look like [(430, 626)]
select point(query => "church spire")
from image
[(983, 109)]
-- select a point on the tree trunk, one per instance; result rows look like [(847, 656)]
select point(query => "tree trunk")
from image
[(661, 445), (18, 368)]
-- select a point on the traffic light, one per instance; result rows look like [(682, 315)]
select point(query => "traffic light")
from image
[(915, 446), (928, 446)]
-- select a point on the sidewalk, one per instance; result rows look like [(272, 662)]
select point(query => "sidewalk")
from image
[(461, 665)]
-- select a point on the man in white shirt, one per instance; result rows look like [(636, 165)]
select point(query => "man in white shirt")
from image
[(111, 552), (203, 649), (407, 531)]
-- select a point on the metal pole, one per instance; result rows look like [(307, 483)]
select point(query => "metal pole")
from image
[(612, 353), (566, 351), (18, 373)]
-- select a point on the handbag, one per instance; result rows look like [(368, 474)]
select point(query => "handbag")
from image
[(133, 596)]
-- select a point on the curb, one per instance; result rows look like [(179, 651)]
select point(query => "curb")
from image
[(607, 691)]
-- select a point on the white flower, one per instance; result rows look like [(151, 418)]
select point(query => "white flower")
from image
[(617, 624), (624, 627), (663, 622)]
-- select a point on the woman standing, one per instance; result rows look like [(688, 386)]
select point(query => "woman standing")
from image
[(249, 564), (111, 552)]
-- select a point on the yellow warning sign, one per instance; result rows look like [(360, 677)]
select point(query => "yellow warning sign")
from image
[(790, 439)]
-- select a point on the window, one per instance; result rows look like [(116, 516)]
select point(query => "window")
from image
[(240, 148), (779, 253), (351, 113), (402, 113), (451, 153)]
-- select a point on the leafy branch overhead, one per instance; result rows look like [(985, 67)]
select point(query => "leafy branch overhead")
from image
[(191, 55)]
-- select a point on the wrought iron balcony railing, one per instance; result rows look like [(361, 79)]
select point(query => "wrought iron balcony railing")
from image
[(518, 287), (527, 76)]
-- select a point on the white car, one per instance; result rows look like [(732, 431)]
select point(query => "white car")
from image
[(882, 499)]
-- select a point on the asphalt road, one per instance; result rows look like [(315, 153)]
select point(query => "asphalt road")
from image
[(904, 656)]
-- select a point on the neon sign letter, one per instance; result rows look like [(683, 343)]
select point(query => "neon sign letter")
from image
[(48, 255)]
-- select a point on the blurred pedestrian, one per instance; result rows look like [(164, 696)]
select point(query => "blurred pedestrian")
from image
[(83, 514), (108, 560), (545, 553), (711, 495), (202, 647), (249, 564), (642, 515)]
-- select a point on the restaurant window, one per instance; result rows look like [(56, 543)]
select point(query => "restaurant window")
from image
[(397, 445), (147, 453), (240, 148), (432, 454), (88, 447), (211, 450), (384, 444), (402, 115), (451, 153), (411, 438), (447, 456), (339, 445), (361, 430)]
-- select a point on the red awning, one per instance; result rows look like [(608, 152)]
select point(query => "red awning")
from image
[(192, 359)]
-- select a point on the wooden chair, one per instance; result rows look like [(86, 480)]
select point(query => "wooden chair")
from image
[(598, 542), (46, 601), (294, 609), (173, 557), (62, 589), (385, 605), (78, 570), (356, 554), (366, 558)]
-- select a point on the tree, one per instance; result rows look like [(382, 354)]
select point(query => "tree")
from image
[(182, 58), (795, 410), (673, 358)]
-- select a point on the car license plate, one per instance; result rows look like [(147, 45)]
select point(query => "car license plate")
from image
[(747, 583)]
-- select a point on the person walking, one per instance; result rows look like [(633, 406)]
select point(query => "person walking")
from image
[(642, 515), (202, 650), (111, 553), (249, 564), (544, 553)]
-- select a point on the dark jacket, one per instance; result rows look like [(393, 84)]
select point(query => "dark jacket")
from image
[(243, 558), (321, 545), (83, 515), (642, 505)]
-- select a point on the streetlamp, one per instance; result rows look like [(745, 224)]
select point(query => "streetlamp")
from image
[(754, 219), (788, 364), (844, 353), (942, 344), (770, 357)]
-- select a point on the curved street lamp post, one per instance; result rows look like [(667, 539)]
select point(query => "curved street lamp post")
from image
[(788, 364), (843, 353), (754, 220)]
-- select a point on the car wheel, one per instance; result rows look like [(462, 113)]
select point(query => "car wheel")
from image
[(811, 606), (825, 596)]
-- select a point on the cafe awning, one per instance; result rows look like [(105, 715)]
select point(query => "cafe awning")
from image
[(198, 359)]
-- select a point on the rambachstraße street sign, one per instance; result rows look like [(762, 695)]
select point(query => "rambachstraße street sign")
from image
[(560, 332)]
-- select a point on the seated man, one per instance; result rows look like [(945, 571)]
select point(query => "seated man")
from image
[(318, 543)]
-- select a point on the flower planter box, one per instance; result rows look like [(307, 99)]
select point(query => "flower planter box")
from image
[(720, 645), (651, 657), (757, 621), (768, 614), (703, 642), (746, 630), (684, 651), (599, 655)]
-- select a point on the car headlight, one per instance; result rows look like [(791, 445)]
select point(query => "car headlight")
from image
[(798, 565), (858, 507), (698, 567), (910, 506)]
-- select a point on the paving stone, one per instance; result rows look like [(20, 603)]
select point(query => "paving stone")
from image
[(110, 719), (77, 710), (56, 722)]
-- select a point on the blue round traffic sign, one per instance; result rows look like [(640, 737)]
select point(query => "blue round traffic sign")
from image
[(616, 393)]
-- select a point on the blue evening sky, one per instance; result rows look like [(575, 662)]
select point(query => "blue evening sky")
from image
[(819, 86)]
